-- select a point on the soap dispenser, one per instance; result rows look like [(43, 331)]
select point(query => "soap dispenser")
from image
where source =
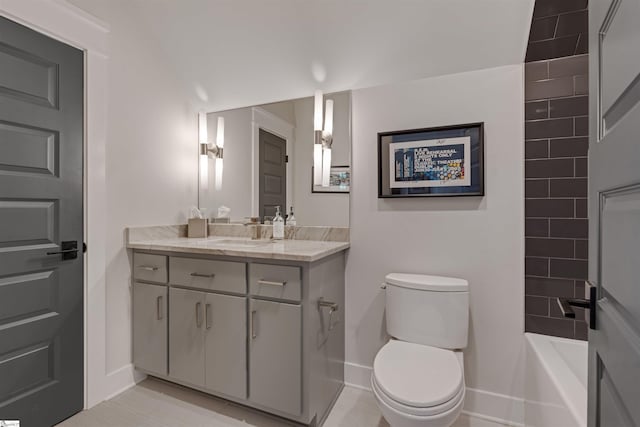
[(278, 225), (291, 220)]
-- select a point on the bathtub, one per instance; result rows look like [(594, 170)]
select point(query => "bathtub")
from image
[(555, 382)]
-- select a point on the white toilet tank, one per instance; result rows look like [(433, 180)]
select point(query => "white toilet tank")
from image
[(428, 310)]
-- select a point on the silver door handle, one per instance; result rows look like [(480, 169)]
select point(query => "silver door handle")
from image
[(148, 268), (207, 276), (252, 324), (159, 307), (271, 283), (207, 316), (198, 314), (333, 307)]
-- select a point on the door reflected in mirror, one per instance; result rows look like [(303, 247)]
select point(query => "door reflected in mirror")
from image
[(268, 162)]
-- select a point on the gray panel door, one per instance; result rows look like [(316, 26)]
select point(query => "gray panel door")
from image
[(186, 336), (41, 295), (150, 327), (275, 355), (614, 212), (226, 344), (273, 174)]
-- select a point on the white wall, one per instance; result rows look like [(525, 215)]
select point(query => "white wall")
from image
[(151, 163), (479, 239), (321, 208)]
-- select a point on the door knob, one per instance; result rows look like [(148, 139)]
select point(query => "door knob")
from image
[(69, 250), (589, 303)]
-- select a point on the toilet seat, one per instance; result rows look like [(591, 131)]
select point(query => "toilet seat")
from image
[(416, 377)]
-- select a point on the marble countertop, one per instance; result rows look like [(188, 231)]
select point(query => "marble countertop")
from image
[(289, 250)]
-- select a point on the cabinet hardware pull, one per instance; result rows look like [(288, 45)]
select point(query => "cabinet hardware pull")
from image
[(272, 283), (159, 307), (207, 316), (198, 314), (333, 307), (208, 276), (253, 326), (148, 267)]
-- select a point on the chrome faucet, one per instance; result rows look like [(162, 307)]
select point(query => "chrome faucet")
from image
[(254, 224)]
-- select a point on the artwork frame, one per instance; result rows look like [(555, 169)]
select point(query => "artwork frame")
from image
[(444, 161), (339, 173)]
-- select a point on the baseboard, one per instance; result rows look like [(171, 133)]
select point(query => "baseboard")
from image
[(486, 405), (122, 379)]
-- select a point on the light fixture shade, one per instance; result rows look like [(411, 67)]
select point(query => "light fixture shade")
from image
[(219, 167), (220, 135), (202, 128), (328, 117), (317, 164), (317, 111), (326, 166), (204, 172)]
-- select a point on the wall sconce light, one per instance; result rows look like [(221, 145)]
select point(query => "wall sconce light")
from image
[(322, 141), (207, 151)]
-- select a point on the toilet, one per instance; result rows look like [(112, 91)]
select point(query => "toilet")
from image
[(418, 376)]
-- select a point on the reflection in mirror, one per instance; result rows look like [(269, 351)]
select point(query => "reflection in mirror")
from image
[(268, 161)]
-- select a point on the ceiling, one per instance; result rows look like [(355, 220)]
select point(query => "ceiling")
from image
[(233, 53)]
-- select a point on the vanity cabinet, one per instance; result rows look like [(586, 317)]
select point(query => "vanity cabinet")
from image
[(275, 358), (248, 330), (150, 327)]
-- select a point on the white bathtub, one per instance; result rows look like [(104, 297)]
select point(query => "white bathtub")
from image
[(555, 382)]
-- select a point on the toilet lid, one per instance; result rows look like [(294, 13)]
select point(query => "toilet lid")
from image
[(417, 375)]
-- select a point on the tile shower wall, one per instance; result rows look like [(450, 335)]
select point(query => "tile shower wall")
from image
[(556, 144)]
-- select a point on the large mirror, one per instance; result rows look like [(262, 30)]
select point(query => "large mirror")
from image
[(267, 160)]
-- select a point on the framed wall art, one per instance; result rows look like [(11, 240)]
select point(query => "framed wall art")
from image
[(439, 161)]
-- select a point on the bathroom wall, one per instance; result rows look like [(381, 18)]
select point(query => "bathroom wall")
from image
[(151, 158), (556, 131), (476, 238)]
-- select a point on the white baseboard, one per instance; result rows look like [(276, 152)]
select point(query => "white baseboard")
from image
[(486, 405), (121, 380)]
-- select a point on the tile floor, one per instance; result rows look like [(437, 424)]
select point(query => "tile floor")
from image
[(155, 403)]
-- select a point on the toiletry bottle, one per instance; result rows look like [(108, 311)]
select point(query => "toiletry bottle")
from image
[(291, 220), (278, 225)]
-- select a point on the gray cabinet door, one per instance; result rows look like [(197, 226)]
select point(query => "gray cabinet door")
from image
[(275, 354), (186, 336), (226, 344), (150, 327)]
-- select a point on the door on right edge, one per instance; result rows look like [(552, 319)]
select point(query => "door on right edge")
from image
[(614, 212)]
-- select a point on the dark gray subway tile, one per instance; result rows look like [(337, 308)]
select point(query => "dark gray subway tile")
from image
[(543, 28), (581, 208), (544, 89), (581, 167), (536, 266), (536, 188), (568, 147), (538, 306), (550, 128), (581, 126), (536, 71), (568, 187), (573, 23), (569, 66), (549, 326), (549, 208), (548, 168), (536, 149), (578, 289), (583, 44), (581, 85), (536, 110), (538, 247), (536, 227), (554, 7), (568, 268), (543, 286), (574, 228), (581, 331), (553, 48), (581, 249), (569, 107)]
